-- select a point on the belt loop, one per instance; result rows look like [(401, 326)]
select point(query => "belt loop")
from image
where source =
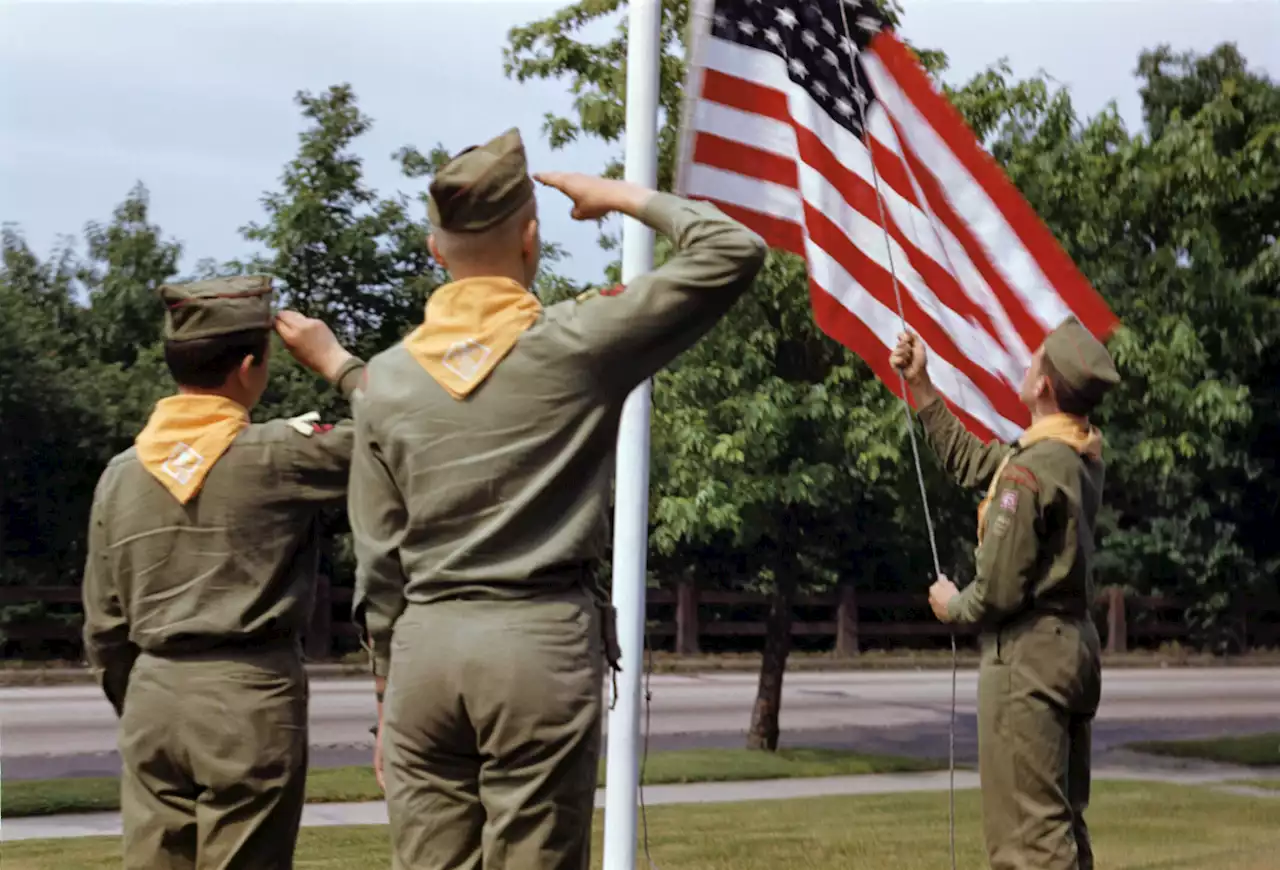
[(612, 651)]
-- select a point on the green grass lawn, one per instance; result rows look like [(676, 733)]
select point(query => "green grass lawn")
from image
[(1136, 827), (342, 784), (1269, 784), (1255, 750)]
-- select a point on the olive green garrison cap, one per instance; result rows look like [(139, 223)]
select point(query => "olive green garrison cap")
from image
[(1083, 362), (219, 306), (481, 186)]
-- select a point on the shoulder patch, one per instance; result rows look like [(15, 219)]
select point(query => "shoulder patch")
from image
[(307, 424), (1001, 525), (615, 290), (1009, 500), (1022, 476)]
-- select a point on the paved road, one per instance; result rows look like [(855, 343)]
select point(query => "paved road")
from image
[(70, 730)]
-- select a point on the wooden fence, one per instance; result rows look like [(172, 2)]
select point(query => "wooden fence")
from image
[(689, 621)]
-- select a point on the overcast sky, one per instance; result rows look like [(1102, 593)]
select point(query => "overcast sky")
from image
[(195, 100)]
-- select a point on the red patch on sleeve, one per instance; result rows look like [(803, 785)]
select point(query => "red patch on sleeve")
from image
[(615, 290), (321, 428), (1020, 475)]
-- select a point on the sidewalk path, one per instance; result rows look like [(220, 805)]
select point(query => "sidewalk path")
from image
[(375, 813)]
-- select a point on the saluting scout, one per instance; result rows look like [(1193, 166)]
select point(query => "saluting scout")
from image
[(1040, 677), (479, 505), (202, 556)]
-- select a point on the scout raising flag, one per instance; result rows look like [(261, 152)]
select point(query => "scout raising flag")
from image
[(818, 128), (815, 126)]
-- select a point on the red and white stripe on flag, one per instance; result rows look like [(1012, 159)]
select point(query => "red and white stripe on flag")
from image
[(791, 106)]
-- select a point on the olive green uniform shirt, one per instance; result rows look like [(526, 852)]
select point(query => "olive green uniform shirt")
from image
[(505, 493), (232, 568), (1036, 555)]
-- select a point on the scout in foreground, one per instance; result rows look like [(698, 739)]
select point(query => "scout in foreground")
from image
[(479, 504), (202, 555), (1040, 677)]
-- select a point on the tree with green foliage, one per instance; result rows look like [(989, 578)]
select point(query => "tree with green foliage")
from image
[(776, 444), (127, 262), (1176, 226), (341, 252), (63, 413), (47, 417)]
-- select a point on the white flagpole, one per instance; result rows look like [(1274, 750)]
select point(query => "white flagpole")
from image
[(631, 500)]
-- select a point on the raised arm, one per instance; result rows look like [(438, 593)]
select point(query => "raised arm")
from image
[(320, 454), (969, 460), (636, 330)]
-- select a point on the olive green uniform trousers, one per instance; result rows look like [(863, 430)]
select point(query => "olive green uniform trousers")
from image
[(1038, 692), (491, 733), (214, 751)]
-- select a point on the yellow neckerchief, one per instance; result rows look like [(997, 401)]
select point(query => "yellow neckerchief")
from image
[(470, 326), (1071, 430), (185, 436)]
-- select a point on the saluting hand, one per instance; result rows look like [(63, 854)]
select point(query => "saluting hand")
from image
[(595, 197), (312, 343)]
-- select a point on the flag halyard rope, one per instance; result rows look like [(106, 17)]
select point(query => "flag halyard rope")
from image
[(911, 431)]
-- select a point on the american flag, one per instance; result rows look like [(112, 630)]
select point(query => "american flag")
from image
[(797, 112)]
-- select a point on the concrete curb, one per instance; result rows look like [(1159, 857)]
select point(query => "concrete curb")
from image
[(375, 813)]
